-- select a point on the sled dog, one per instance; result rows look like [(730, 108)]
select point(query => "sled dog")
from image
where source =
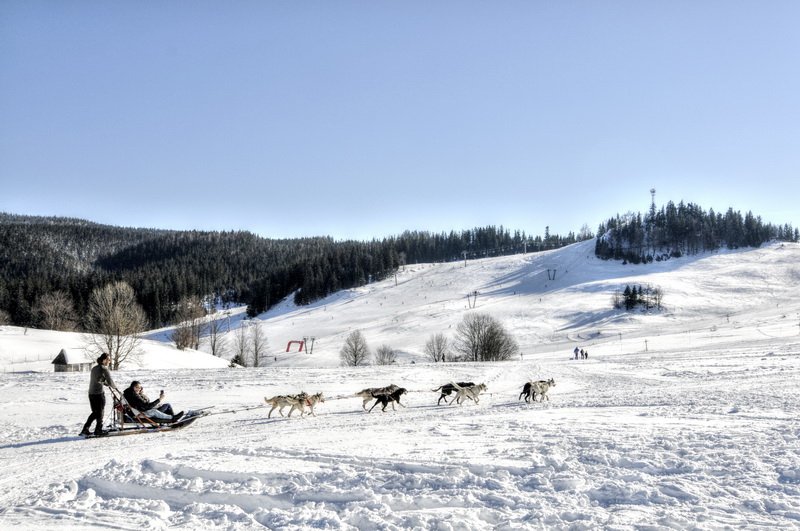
[(309, 402), (281, 401), (533, 388), (366, 394), (540, 388), (470, 392), (388, 398), (448, 388)]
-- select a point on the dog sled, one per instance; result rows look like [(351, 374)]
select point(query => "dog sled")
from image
[(127, 420)]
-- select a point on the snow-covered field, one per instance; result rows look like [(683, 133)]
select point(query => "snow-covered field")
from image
[(683, 419)]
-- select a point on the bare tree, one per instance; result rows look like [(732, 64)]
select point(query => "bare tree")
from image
[(258, 342), (5, 318), (190, 319), (115, 322), (385, 355), (658, 296), (480, 337), (216, 337), (54, 311), (241, 345), (355, 351), (585, 233), (437, 348)]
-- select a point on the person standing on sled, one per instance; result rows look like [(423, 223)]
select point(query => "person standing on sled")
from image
[(154, 410), (98, 377)]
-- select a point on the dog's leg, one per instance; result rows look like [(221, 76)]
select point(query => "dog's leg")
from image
[(270, 411), (373, 406)]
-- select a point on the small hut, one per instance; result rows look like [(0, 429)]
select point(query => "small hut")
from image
[(72, 362)]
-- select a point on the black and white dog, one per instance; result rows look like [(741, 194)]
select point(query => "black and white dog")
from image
[(367, 394), (448, 388), (388, 398), (540, 387)]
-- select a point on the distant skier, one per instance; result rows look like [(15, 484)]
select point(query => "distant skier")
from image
[(98, 377), (576, 352)]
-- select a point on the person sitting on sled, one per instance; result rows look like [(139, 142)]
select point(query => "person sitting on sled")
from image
[(156, 410)]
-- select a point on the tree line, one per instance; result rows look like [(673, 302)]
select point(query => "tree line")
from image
[(680, 229), (478, 337), (49, 266)]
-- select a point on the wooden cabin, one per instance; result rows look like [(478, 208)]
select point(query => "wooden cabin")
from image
[(72, 361)]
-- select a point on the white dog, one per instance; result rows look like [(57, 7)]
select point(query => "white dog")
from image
[(470, 392), (541, 387)]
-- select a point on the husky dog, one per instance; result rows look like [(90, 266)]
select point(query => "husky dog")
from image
[(526, 391), (366, 394), (310, 401), (533, 388), (448, 388), (540, 388), (281, 401), (470, 392), (388, 398)]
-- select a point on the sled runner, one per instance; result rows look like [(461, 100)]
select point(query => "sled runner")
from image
[(136, 428)]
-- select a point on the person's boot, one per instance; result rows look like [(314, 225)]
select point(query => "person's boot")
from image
[(85, 431), (177, 416)]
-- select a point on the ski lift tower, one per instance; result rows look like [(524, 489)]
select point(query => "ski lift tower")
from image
[(306, 339)]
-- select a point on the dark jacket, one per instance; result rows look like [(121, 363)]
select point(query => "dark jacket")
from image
[(136, 402), (99, 377)]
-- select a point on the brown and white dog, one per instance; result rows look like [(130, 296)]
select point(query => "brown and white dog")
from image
[(309, 402), (281, 401)]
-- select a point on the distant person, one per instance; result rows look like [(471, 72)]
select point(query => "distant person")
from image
[(586, 355), (150, 409), (576, 352), (582, 354), (98, 377)]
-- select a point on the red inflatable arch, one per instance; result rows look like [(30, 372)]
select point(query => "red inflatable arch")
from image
[(289, 345)]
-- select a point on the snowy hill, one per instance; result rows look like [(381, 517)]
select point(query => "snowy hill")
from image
[(685, 418), (550, 302), (723, 290)]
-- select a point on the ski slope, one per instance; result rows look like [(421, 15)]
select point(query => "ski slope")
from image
[(681, 419)]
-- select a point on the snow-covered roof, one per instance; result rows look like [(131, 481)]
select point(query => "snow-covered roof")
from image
[(71, 357)]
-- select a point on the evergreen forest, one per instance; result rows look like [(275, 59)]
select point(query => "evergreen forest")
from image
[(40, 256), (685, 228)]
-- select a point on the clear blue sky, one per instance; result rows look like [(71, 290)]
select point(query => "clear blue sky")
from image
[(362, 119)]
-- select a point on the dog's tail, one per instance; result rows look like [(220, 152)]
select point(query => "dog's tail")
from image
[(438, 388)]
